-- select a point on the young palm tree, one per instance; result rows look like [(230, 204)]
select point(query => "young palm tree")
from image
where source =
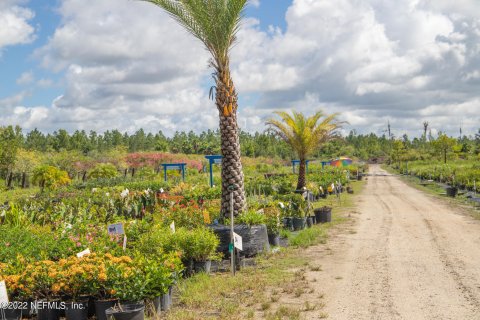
[(305, 135), (215, 23)]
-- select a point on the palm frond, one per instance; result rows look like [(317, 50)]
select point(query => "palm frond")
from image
[(305, 134)]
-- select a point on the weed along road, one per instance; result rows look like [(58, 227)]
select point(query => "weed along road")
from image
[(408, 256)]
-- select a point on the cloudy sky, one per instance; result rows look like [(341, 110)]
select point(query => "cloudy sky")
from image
[(124, 64)]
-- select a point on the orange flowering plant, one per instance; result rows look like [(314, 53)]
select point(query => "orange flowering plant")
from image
[(125, 280), (15, 289), (42, 278), (78, 275)]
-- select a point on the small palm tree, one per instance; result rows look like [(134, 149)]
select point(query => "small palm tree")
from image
[(305, 135), (215, 23)]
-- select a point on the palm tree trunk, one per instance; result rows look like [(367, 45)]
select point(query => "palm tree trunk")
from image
[(232, 172), (301, 175)]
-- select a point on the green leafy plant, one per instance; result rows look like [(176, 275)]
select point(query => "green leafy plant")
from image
[(103, 171), (251, 217), (50, 177)]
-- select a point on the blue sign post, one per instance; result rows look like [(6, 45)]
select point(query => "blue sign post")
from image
[(213, 159), (173, 166), (297, 162)]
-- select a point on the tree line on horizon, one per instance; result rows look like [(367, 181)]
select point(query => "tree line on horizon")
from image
[(258, 144)]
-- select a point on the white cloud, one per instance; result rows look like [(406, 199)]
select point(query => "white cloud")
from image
[(14, 21), (25, 78), (255, 3), (128, 65), (373, 61)]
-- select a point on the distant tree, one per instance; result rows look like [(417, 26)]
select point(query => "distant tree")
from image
[(104, 171), (444, 144), (305, 135), (425, 128), (10, 140), (49, 177)]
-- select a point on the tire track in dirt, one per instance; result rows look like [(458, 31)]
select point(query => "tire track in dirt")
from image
[(456, 267)]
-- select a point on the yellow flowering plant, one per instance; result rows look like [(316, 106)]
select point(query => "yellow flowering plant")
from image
[(125, 280), (42, 279), (78, 275)]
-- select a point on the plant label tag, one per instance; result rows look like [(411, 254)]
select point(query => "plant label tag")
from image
[(115, 228), (172, 226), (237, 241), (3, 293), (83, 253), (124, 242)]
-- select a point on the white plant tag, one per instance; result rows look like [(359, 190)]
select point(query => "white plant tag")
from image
[(237, 241), (83, 253), (3, 293)]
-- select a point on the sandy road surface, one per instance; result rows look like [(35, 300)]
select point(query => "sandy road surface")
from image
[(408, 256)]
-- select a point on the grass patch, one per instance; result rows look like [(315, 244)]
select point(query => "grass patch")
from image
[(284, 313), (222, 296), (310, 236), (17, 194)]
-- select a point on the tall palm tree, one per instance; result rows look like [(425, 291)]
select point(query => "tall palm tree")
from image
[(215, 23), (305, 135)]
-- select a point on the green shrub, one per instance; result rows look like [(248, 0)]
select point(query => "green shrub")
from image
[(103, 171), (251, 217), (50, 177)]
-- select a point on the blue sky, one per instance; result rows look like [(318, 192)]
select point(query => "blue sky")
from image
[(20, 59), (124, 64)]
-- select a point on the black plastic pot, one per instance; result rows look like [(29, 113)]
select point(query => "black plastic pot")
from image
[(11, 314), (91, 307), (202, 266), (323, 214), (76, 310), (165, 301), (298, 223), (48, 314), (359, 177), (288, 223), (101, 306), (309, 222), (274, 239), (314, 219), (254, 238), (156, 304), (126, 312), (452, 191)]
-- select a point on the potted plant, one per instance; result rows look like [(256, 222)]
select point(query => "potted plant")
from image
[(104, 285), (203, 250), (298, 210), (323, 214), (13, 287), (43, 277), (77, 276), (272, 215), (160, 274)]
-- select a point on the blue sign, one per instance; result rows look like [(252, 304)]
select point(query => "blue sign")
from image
[(173, 166), (213, 159), (297, 162)]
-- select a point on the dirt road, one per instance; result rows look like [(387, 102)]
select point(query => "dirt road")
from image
[(408, 256)]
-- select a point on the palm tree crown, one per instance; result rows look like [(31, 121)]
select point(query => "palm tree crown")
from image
[(305, 134)]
